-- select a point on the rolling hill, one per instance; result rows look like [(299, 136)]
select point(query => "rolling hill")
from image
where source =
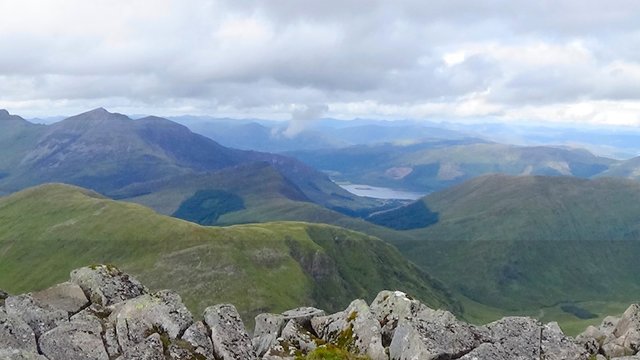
[(436, 164), (262, 267), (526, 242)]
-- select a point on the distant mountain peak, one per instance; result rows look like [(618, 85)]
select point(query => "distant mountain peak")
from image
[(98, 112), (12, 120), (95, 117)]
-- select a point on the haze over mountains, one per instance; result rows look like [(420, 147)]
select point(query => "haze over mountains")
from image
[(617, 142), (535, 236), (435, 165), (381, 153)]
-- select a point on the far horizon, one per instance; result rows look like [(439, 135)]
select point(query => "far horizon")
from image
[(613, 141), (56, 117)]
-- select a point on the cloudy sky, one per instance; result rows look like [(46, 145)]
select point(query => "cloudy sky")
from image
[(543, 60)]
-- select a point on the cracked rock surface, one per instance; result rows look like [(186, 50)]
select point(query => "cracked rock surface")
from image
[(105, 314)]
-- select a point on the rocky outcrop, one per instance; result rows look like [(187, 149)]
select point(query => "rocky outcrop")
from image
[(105, 314), (39, 316), (197, 335), (282, 335), (228, 334), (76, 340), (107, 285), (355, 329), (615, 337)]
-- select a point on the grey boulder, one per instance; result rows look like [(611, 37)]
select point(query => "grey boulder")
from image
[(107, 285), (198, 336), (66, 296), (15, 354), (299, 337), (228, 335), (150, 349), (555, 345), (489, 351), (389, 308), (356, 329), (624, 338), (76, 340), (615, 337), (523, 338), (434, 334), (15, 333), (269, 328), (519, 336), (303, 315), (40, 317), (136, 318), (266, 332)]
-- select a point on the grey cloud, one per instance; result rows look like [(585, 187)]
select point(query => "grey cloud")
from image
[(323, 52)]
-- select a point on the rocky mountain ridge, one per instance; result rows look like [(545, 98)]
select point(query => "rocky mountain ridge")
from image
[(103, 314), (107, 152)]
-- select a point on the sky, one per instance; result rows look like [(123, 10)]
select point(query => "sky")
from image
[(546, 60)]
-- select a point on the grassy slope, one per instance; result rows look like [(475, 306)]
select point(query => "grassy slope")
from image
[(256, 183), (49, 230), (523, 243), (266, 194)]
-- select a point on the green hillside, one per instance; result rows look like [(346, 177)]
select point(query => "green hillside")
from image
[(255, 192), (529, 242), (49, 230)]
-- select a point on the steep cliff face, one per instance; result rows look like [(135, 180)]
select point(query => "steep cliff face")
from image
[(102, 313)]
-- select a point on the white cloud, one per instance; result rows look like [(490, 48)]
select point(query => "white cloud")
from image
[(454, 58), (546, 60)]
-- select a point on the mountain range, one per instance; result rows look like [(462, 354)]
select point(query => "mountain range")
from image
[(107, 152), (531, 241), (272, 136), (432, 156)]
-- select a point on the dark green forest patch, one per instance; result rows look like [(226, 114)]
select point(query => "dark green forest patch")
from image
[(206, 206)]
